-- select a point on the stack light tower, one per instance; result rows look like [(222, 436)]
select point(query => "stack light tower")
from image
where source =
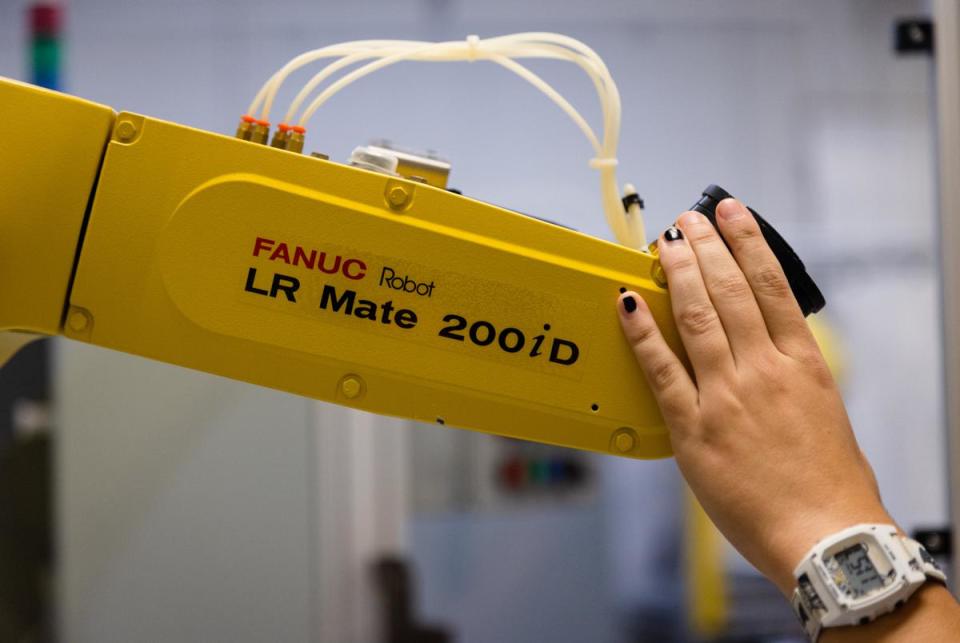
[(45, 22)]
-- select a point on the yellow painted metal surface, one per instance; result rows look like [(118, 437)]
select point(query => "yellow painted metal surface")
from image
[(355, 287), (317, 278), (50, 153)]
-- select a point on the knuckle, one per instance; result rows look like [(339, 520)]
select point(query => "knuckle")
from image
[(663, 375), (641, 335), (731, 405), (775, 381), (744, 233), (770, 280), (684, 263), (676, 413), (809, 362), (698, 319), (732, 286), (767, 368), (812, 360), (724, 404), (700, 232)]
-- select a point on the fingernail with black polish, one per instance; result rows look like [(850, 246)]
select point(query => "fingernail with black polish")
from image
[(629, 304), (673, 233)]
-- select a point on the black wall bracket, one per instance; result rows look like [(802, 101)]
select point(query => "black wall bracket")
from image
[(913, 36)]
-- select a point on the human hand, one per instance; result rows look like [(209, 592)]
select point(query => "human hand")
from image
[(758, 427)]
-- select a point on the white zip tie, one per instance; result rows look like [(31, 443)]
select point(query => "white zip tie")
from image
[(473, 47), (602, 163)]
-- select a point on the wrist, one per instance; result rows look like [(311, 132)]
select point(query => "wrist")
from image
[(791, 544), (933, 602)]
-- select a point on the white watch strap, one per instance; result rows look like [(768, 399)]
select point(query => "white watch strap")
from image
[(809, 609), (922, 557)]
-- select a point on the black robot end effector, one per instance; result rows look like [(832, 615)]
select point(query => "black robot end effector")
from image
[(804, 289)]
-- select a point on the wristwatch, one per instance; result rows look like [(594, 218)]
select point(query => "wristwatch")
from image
[(858, 574)]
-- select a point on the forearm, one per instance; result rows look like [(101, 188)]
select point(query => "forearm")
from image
[(758, 426), (931, 614)]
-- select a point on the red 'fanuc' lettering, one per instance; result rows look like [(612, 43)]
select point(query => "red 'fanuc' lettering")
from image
[(361, 269), (329, 264), (331, 270), (299, 254), (262, 244)]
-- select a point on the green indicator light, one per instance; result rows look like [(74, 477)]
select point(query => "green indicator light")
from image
[(539, 472), (45, 55)]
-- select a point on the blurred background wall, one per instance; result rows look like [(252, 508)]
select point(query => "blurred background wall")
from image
[(192, 508)]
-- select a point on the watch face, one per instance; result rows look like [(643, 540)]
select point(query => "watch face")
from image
[(855, 573)]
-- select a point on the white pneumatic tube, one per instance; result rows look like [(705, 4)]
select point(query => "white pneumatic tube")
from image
[(372, 55)]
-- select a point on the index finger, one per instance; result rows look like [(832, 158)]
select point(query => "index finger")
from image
[(697, 320)]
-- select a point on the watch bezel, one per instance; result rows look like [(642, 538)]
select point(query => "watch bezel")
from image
[(884, 561)]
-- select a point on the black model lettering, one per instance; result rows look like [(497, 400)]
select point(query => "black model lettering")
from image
[(561, 346), (537, 341), (281, 283), (347, 303), (252, 277), (482, 333), (329, 300), (405, 318), (459, 323), (510, 340)]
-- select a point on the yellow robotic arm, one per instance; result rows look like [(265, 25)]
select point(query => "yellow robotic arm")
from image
[(381, 292)]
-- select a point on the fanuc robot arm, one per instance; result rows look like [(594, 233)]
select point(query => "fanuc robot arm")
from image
[(369, 285)]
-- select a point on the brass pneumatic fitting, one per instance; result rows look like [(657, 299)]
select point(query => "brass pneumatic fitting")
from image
[(289, 137), (245, 128), (260, 133), (281, 136), (296, 139)]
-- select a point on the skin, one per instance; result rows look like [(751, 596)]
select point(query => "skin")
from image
[(757, 424)]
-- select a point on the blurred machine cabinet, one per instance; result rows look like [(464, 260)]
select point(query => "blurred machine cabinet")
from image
[(462, 471), (195, 508), (947, 61), (182, 504)]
